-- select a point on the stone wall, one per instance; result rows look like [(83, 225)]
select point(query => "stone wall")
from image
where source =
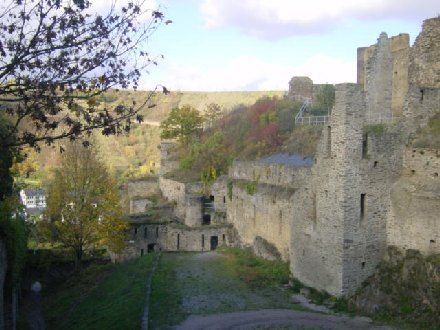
[(3, 266), (139, 205), (300, 89), (268, 211), (415, 203), (148, 237), (187, 199), (272, 174), (219, 191), (168, 159), (425, 54), (143, 187), (339, 233), (383, 72)]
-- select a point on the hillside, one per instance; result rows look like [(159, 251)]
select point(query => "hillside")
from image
[(136, 153)]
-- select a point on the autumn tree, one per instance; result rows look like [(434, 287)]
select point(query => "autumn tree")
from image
[(83, 203), (56, 56), (183, 124)]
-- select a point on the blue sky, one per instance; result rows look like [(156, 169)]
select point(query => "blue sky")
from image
[(221, 45)]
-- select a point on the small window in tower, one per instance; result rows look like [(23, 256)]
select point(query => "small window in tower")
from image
[(362, 206), (178, 241), (145, 232), (375, 163), (211, 198), (224, 199), (422, 92), (224, 238), (135, 230), (432, 241), (435, 174), (157, 232), (203, 241), (365, 146), (363, 264)]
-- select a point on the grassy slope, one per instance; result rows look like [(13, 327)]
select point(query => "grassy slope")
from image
[(104, 297)]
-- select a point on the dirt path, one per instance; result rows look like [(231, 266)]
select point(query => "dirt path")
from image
[(34, 314), (145, 315), (275, 319)]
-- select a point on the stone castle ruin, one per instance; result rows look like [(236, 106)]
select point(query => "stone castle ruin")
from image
[(332, 217)]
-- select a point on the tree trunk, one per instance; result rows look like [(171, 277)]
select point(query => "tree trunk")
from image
[(78, 257)]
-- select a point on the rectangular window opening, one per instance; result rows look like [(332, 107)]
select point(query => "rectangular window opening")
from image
[(362, 214), (365, 146), (203, 241)]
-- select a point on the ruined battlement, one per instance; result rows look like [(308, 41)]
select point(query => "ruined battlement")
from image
[(382, 70), (272, 174)]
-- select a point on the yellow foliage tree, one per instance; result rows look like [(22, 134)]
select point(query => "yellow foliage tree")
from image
[(83, 203)]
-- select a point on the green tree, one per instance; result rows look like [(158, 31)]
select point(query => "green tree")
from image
[(183, 124), (83, 203), (212, 113), (326, 97)]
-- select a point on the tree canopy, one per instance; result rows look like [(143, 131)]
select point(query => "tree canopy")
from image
[(183, 124), (83, 203), (57, 55)]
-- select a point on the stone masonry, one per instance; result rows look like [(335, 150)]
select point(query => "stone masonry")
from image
[(367, 188), (334, 217)]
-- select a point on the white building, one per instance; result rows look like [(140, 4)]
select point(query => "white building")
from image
[(33, 199)]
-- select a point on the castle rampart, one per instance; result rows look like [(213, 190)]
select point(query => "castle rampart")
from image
[(413, 222)]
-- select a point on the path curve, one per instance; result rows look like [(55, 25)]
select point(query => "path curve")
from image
[(273, 318)]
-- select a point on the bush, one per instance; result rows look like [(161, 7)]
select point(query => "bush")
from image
[(256, 271)]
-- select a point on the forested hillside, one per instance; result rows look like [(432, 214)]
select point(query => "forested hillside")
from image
[(135, 153)]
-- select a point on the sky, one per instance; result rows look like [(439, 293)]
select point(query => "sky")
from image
[(247, 45)]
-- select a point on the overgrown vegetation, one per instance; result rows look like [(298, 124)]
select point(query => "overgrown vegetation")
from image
[(247, 132), (405, 288), (375, 129), (255, 271), (429, 136)]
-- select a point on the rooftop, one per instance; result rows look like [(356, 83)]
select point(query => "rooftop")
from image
[(286, 159)]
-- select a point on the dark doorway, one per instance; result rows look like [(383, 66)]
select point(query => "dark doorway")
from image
[(151, 247), (142, 252), (211, 198), (206, 219), (214, 242)]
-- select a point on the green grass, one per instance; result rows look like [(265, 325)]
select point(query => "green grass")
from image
[(256, 272), (375, 129), (165, 297), (101, 297)]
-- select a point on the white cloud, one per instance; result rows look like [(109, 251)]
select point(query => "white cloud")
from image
[(280, 18), (251, 73)]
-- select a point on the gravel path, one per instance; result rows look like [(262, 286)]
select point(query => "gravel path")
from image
[(207, 288), (211, 297), (275, 319)]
